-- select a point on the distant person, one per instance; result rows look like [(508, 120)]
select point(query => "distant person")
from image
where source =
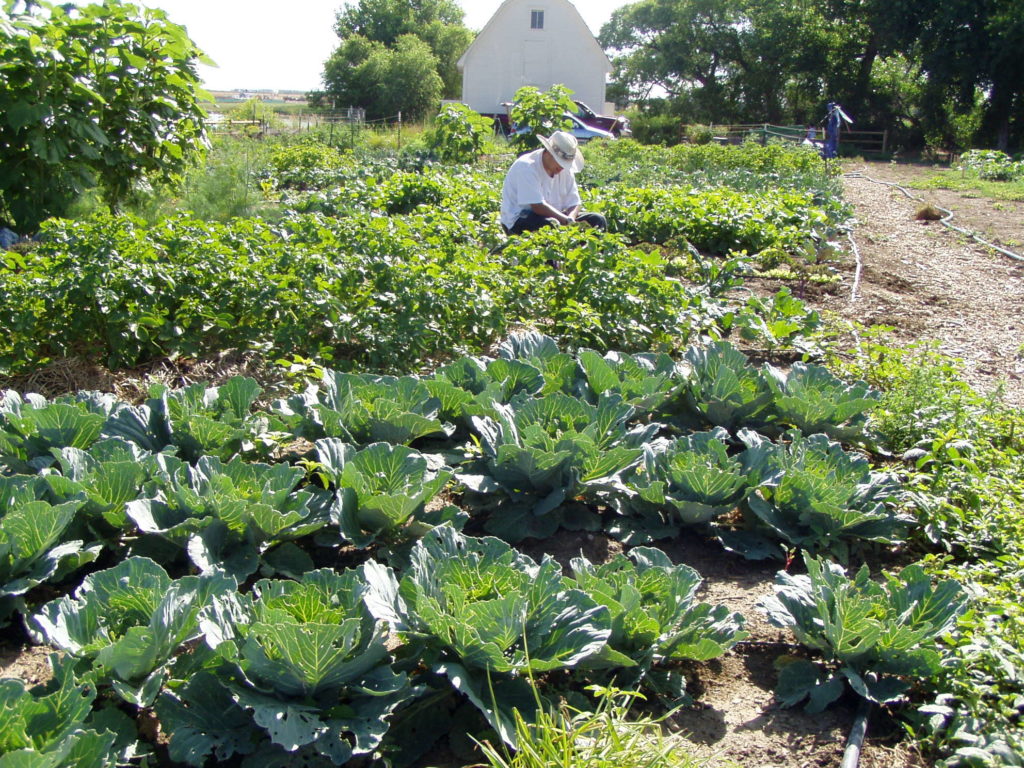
[(812, 133), (540, 188)]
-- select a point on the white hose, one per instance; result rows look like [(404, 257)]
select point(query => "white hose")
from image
[(944, 221), (857, 270)]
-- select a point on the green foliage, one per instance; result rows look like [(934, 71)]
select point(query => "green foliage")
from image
[(228, 515), (938, 75), (545, 451), (543, 112), (35, 542), (811, 399), (118, 107), (724, 390), (879, 637), (655, 615), (824, 501), (383, 492), (605, 737), (293, 165), (385, 80), (487, 616), (438, 23), (129, 621), (689, 481), (460, 134), (363, 409), (991, 165), (53, 724), (309, 663)]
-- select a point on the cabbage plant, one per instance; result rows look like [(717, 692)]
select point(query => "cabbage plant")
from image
[(363, 409), (826, 500), (486, 617), (108, 475), (35, 545), (877, 637), (690, 481), (305, 675), (813, 400), (655, 615), (644, 381), (229, 515), (32, 427), (197, 420), (53, 725), (724, 390), (542, 452), (383, 491), (129, 621)]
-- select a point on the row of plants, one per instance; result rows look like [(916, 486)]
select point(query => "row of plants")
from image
[(967, 490), (322, 665), (364, 290)]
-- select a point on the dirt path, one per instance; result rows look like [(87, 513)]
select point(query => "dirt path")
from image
[(929, 282)]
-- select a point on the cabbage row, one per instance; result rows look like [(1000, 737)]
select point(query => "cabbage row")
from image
[(223, 517)]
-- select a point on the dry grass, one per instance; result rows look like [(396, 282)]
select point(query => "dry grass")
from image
[(72, 375)]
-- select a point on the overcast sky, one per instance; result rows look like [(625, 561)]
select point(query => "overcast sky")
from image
[(283, 45)]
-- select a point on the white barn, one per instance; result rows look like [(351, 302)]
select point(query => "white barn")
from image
[(533, 42)]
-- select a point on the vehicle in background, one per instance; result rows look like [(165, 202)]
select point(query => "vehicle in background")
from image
[(584, 120), (581, 130), (618, 126)]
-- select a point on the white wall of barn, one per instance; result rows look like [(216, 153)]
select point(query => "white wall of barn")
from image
[(508, 54)]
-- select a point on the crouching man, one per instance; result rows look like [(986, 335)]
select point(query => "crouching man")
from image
[(540, 188)]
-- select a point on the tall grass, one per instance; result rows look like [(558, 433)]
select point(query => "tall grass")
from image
[(603, 738)]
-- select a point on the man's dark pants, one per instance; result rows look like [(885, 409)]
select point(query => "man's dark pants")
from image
[(531, 222)]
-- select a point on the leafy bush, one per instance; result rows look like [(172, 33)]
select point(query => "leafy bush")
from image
[(292, 165), (991, 165), (543, 452), (655, 616), (460, 134), (383, 491), (880, 638), (54, 725), (31, 427), (724, 390), (35, 545), (228, 515), (811, 399), (541, 112), (80, 126), (363, 409)]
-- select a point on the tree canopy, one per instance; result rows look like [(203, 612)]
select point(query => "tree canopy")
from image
[(945, 71), (102, 95), (397, 56)]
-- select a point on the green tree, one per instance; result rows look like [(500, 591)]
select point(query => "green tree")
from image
[(541, 111), (384, 80), (102, 95), (438, 23), (460, 134)]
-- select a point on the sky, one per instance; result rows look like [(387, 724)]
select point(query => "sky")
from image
[(258, 44)]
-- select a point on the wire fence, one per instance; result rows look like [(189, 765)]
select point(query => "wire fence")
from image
[(864, 142)]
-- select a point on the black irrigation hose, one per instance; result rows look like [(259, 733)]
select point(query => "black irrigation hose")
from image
[(944, 221), (851, 757)]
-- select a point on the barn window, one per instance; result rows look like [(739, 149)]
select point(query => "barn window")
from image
[(536, 19)]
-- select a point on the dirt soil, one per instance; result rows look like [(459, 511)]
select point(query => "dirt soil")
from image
[(925, 281), (930, 282)]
